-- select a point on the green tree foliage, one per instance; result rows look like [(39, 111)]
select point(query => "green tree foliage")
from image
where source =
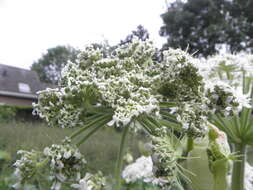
[(49, 66), (205, 25), (140, 32)]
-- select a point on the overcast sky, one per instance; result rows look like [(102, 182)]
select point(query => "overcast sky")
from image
[(29, 27)]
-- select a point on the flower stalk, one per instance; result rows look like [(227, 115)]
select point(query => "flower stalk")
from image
[(220, 169), (238, 168), (119, 163)]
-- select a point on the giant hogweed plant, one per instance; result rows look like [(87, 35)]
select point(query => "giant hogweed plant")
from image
[(236, 71), (170, 98)]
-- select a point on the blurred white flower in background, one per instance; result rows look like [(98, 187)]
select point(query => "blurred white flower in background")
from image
[(141, 170)]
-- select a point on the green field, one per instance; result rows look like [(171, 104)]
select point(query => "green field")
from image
[(100, 150)]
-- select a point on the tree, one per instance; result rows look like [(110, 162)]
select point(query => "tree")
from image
[(49, 66), (140, 32), (206, 25)]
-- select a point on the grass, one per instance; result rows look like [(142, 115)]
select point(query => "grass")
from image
[(100, 150)]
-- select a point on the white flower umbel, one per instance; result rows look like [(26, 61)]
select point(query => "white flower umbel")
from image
[(59, 108), (120, 81), (132, 82), (27, 167), (182, 82), (62, 163), (228, 67), (232, 70), (91, 182), (84, 183), (65, 162), (224, 98), (141, 169)]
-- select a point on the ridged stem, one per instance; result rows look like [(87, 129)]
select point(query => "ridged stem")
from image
[(120, 158), (238, 168), (220, 170)]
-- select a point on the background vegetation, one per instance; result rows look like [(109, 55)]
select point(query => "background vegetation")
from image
[(100, 150)]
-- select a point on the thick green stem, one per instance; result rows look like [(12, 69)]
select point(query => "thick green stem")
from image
[(190, 144), (238, 168), (220, 169), (120, 158)]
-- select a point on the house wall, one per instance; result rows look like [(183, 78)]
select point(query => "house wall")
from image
[(16, 101)]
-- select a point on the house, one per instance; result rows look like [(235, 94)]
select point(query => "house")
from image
[(19, 86)]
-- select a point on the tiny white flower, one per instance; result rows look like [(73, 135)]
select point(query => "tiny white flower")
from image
[(17, 185), (67, 154), (77, 155), (46, 151), (61, 177), (56, 186)]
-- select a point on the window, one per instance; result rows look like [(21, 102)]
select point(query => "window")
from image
[(23, 87)]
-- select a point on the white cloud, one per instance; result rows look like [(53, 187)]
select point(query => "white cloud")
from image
[(29, 27)]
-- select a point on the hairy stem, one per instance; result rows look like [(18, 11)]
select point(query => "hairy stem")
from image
[(238, 168), (120, 157)]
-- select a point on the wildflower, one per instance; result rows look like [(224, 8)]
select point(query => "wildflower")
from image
[(142, 169), (130, 83), (27, 167), (167, 152), (63, 162), (91, 182)]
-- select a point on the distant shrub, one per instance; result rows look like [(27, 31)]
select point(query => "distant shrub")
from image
[(13, 112), (7, 112), (24, 113)]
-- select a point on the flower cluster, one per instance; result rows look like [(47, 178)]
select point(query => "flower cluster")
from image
[(221, 99), (230, 73), (181, 82), (27, 167), (91, 182), (180, 78), (54, 106), (167, 150), (142, 169), (193, 117), (131, 83), (118, 81), (63, 162), (229, 67)]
